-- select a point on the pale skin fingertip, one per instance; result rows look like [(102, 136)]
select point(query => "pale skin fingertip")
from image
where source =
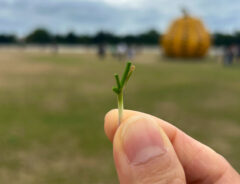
[(110, 123)]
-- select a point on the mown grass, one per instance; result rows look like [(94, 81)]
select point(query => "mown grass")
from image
[(52, 109)]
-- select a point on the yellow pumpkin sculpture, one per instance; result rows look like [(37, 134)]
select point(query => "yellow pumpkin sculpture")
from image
[(186, 37)]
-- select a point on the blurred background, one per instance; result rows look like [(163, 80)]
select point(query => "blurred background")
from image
[(57, 60)]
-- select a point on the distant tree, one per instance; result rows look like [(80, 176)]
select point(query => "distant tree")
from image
[(149, 38), (71, 38), (106, 37), (220, 39), (39, 36), (85, 39), (100, 37), (7, 39), (237, 38), (59, 39), (130, 39)]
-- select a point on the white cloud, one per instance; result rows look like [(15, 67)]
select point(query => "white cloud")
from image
[(124, 3), (120, 16)]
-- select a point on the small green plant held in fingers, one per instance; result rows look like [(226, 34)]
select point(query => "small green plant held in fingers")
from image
[(119, 89)]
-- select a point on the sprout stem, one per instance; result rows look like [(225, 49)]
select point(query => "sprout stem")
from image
[(120, 87), (120, 107)]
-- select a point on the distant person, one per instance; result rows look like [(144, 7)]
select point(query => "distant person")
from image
[(55, 48), (130, 52), (228, 56), (238, 53), (22, 44), (101, 51), (121, 51), (113, 51)]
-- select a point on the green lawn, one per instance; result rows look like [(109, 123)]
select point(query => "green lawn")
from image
[(52, 109)]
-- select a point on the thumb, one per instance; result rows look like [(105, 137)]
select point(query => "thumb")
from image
[(143, 154)]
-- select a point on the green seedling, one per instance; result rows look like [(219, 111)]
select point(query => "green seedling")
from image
[(119, 89)]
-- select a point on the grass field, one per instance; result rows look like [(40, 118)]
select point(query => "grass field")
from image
[(52, 109)]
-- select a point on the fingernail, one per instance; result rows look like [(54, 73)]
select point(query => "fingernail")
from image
[(142, 141)]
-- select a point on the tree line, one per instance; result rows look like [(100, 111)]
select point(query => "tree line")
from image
[(151, 37), (42, 36)]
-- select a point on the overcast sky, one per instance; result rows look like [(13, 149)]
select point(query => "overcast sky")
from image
[(120, 16)]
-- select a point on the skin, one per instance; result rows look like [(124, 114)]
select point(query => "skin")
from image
[(183, 159)]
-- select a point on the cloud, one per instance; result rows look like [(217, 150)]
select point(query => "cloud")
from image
[(122, 16)]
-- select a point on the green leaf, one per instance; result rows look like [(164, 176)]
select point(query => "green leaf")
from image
[(117, 80), (125, 74), (116, 90)]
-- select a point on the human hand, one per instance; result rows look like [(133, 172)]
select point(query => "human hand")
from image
[(148, 150)]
